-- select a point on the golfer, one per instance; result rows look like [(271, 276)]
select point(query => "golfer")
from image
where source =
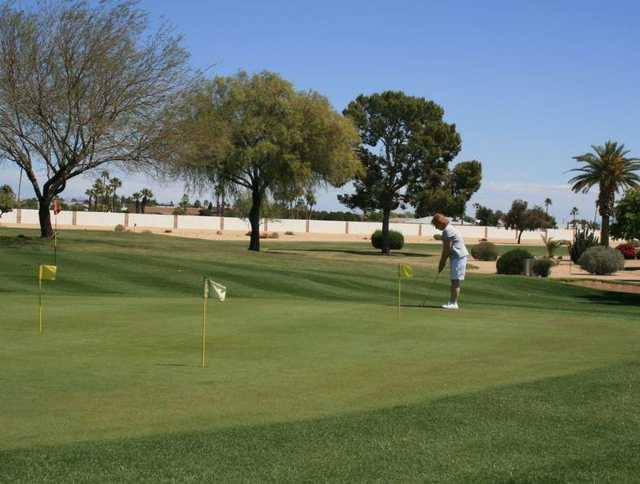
[(452, 248)]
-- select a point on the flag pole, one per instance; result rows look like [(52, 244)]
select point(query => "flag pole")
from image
[(399, 293), (55, 242), (204, 326), (40, 298)]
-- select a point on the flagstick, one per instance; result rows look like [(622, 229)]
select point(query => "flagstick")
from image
[(55, 242), (399, 293), (40, 300), (204, 330)]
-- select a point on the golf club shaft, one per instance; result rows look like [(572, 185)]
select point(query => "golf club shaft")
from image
[(430, 288)]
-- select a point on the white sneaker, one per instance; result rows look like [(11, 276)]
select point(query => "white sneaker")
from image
[(450, 306)]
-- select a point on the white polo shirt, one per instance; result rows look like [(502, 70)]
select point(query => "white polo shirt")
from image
[(458, 249)]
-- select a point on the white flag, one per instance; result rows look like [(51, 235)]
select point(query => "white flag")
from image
[(219, 289)]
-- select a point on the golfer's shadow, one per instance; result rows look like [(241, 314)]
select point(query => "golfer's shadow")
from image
[(424, 306)]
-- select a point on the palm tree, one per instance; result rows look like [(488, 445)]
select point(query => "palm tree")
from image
[(114, 184), (99, 192), (106, 188), (574, 213), (136, 198), (146, 196), (547, 204), (89, 193), (611, 170)]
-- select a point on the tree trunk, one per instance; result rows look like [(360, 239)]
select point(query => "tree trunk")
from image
[(254, 219), (386, 243), (520, 236), (604, 233), (46, 231)]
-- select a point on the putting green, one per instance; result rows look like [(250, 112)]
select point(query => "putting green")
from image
[(308, 342)]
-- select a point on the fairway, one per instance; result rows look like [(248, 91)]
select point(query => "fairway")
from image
[(311, 375)]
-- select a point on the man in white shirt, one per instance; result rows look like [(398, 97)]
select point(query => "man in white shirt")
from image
[(452, 248)]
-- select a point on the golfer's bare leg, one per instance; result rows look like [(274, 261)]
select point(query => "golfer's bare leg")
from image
[(455, 291)]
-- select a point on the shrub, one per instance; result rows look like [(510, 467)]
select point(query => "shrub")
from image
[(542, 267), (601, 260), (583, 239), (628, 251), (120, 228), (512, 262), (484, 251), (273, 235), (437, 237), (288, 232), (396, 240), (550, 244)]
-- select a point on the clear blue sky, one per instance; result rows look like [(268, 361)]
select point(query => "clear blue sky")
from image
[(529, 84)]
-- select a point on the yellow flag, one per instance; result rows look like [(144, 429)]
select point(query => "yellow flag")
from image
[(47, 273), (405, 270)]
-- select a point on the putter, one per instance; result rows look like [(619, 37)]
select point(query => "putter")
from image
[(430, 287)]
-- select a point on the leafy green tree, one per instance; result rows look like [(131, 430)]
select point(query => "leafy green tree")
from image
[(406, 148), (310, 201), (260, 135), (547, 203), (486, 216), (7, 199), (627, 217), (521, 218), (80, 86), (183, 205), (610, 169), (451, 197)]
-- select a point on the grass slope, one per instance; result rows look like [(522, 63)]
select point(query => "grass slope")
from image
[(311, 375)]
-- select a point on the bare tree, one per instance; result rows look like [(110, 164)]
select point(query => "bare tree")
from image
[(80, 86)]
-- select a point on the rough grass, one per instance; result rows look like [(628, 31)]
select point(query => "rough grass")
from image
[(311, 376)]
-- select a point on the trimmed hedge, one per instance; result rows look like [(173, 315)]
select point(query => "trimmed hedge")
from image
[(396, 240), (542, 267), (484, 251), (512, 262), (601, 260)]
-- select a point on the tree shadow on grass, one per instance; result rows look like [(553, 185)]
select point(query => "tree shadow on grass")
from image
[(354, 252), (613, 298)]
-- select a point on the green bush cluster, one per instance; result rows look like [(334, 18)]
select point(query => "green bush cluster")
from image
[(512, 262), (542, 267), (601, 260), (396, 240), (484, 251), (583, 239)]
